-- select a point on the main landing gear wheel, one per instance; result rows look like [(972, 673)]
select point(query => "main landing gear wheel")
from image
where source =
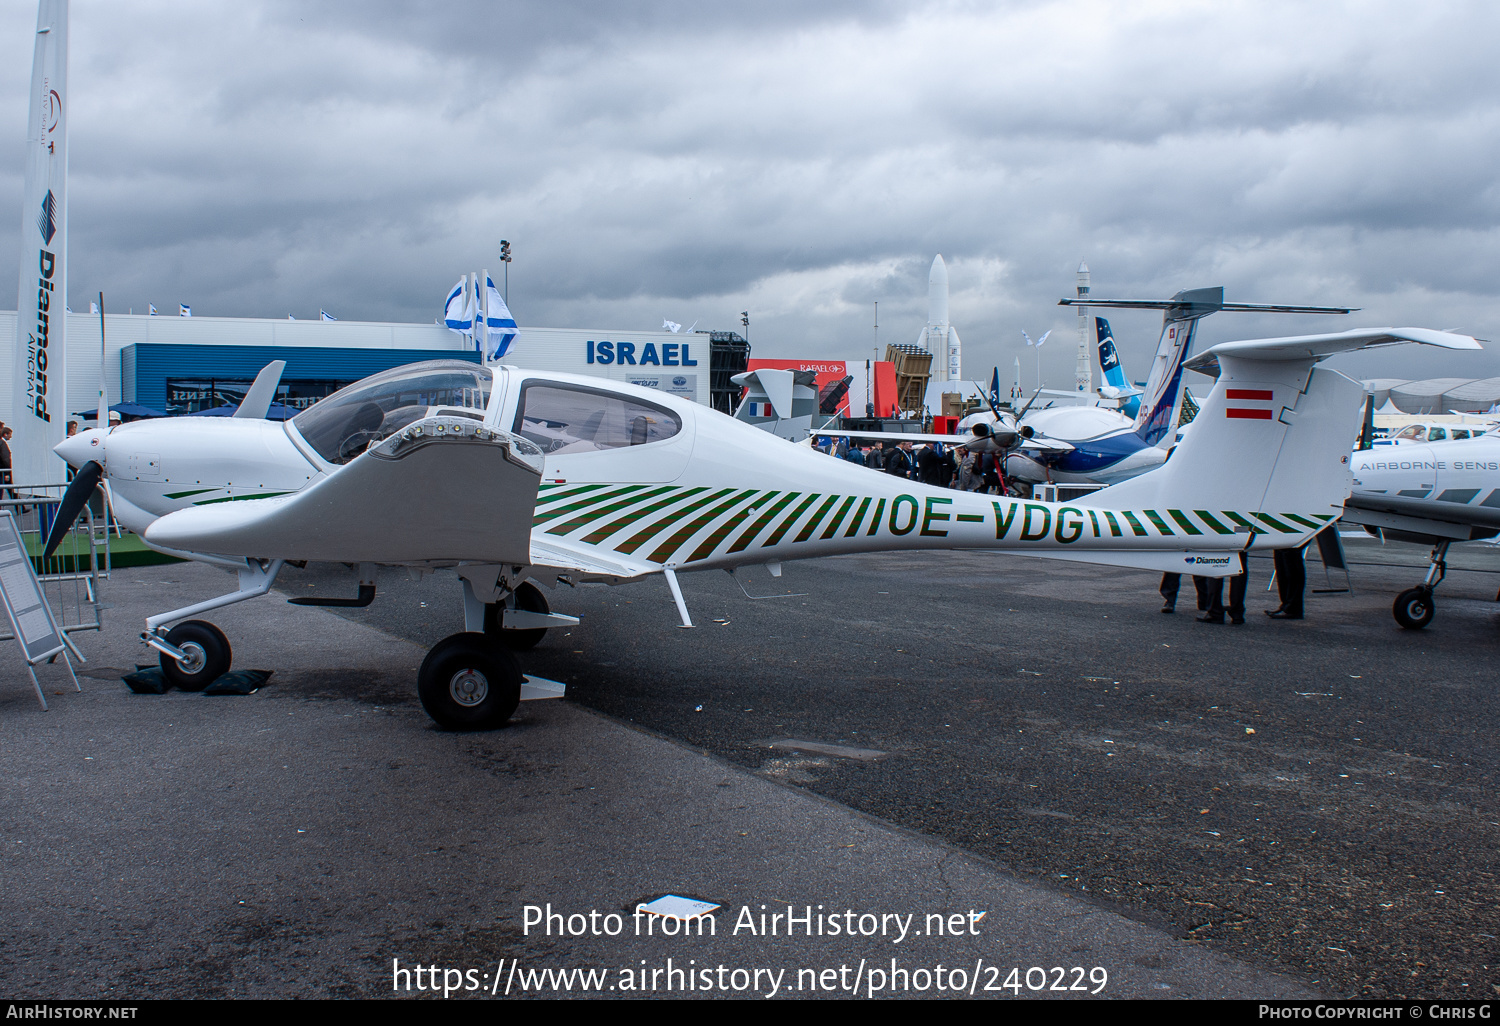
[(528, 597), (469, 682), (1413, 609), (208, 655)]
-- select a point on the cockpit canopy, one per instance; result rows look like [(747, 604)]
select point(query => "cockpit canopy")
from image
[(348, 422)]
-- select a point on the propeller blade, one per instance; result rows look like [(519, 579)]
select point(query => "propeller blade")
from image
[(73, 501)]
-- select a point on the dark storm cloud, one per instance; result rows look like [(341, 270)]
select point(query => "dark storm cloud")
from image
[(802, 161)]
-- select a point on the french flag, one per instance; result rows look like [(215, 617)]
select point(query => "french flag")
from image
[(1253, 395)]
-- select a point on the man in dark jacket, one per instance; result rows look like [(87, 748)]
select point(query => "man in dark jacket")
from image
[(898, 463), (929, 466)]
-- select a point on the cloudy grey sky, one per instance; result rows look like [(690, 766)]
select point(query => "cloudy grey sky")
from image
[(802, 161)]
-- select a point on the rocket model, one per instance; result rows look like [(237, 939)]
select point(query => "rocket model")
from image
[(1085, 364), (939, 338)]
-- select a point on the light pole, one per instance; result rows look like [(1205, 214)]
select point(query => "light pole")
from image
[(505, 256), (745, 320)]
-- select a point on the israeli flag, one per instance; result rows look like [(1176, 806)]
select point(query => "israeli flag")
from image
[(458, 309), (183, 310), (671, 326), (499, 324), (323, 315)]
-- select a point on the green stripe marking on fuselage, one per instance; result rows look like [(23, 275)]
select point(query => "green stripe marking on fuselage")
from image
[(1208, 518), (1303, 521), (1277, 524), (1231, 515), (184, 495), (812, 524), (1135, 525), (646, 534), (1155, 518), (665, 550), (875, 520), (859, 518), (585, 503), (838, 518), (786, 524), (744, 540), (675, 495), (1182, 519), (612, 504), (557, 493), (725, 529)]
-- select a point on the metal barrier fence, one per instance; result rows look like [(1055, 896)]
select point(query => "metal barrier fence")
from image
[(71, 576)]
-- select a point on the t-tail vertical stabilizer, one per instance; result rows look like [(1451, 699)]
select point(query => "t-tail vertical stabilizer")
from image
[(1269, 450)]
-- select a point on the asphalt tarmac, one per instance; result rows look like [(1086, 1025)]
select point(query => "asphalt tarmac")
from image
[(322, 838), (1317, 798)]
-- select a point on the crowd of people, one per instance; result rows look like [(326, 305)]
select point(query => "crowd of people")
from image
[(932, 463)]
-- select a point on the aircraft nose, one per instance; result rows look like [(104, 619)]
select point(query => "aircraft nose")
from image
[(82, 447)]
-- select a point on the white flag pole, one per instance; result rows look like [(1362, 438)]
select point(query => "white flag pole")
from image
[(471, 304), (38, 406), (482, 324)]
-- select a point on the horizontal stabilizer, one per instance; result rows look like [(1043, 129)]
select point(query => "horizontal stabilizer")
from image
[(1201, 564), (441, 489), (1320, 347)]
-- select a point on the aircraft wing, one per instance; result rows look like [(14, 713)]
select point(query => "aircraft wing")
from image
[(1432, 517), (570, 557), (1318, 347), (444, 488)]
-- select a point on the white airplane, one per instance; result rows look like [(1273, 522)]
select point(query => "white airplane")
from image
[(1433, 493), (1104, 446), (513, 478), (1435, 432)]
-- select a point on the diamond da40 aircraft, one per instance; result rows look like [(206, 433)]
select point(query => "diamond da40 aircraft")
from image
[(515, 478)]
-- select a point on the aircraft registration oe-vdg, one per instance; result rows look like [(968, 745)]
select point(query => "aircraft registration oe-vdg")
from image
[(1102, 446), (1433, 493), (513, 478)]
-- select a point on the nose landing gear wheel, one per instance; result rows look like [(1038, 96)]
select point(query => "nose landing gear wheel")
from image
[(469, 682), (529, 598), (208, 655), (1413, 609)]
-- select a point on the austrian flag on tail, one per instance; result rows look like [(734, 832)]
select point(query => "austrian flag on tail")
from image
[(1254, 395)]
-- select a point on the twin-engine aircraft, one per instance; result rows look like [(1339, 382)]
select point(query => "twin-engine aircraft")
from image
[(1433, 493), (515, 478), (1096, 445)]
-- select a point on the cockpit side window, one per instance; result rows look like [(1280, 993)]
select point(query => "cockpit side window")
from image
[(348, 422), (1415, 432), (1437, 434), (570, 418)]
